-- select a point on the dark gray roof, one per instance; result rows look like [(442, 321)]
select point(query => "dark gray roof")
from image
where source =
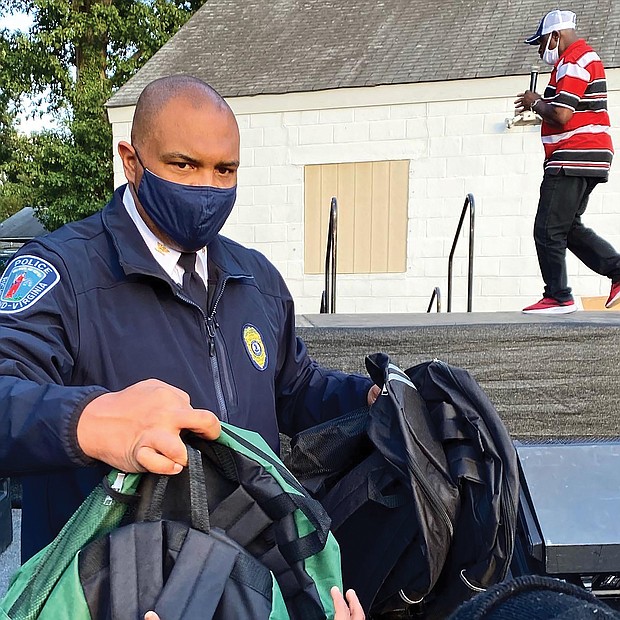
[(252, 47), (21, 226)]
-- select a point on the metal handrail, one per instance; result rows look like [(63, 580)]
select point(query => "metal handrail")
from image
[(328, 297), (469, 202), (435, 296)]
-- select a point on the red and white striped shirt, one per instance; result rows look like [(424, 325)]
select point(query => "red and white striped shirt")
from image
[(582, 146)]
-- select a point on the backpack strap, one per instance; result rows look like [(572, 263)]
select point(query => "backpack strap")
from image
[(198, 491), (135, 585), (240, 516), (204, 566), (230, 512), (244, 521), (199, 507), (283, 553), (349, 495), (302, 548), (204, 569)]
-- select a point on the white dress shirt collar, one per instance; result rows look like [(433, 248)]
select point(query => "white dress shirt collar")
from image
[(164, 255)]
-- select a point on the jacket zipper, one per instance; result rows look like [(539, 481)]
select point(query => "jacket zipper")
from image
[(211, 326), (508, 516)]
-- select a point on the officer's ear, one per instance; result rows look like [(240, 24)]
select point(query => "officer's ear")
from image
[(131, 166)]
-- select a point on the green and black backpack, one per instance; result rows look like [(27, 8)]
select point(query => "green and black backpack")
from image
[(232, 536)]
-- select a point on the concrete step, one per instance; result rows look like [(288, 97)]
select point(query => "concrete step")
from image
[(548, 376)]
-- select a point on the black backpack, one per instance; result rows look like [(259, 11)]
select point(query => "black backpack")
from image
[(422, 489)]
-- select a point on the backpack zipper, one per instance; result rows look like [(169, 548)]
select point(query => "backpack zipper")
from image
[(508, 516), (435, 502), (117, 486), (428, 490), (434, 499)]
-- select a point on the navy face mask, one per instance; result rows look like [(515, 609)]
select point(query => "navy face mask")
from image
[(191, 215)]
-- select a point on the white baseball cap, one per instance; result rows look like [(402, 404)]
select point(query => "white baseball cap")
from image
[(552, 22)]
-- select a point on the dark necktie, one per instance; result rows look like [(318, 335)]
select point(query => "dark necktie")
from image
[(193, 285)]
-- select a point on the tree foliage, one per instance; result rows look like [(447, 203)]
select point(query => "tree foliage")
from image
[(74, 56), (12, 196)]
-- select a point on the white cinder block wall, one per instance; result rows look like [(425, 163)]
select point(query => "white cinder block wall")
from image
[(455, 136)]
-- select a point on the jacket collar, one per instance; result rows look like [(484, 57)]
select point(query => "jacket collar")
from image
[(135, 258)]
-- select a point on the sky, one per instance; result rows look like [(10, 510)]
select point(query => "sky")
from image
[(22, 21), (18, 21)]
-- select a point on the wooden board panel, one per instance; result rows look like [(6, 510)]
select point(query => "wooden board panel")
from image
[(380, 217), (362, 234), (399, 200), (372, 215), (597, 303), (346, 217), (312, 219)]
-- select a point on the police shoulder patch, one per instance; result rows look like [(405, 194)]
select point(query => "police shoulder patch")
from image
[(25, 280), (255, 346)]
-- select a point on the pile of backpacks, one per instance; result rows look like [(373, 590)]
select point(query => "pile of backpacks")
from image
[(412, 502)]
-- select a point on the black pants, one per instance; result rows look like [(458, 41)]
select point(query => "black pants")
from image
[(563, 200)]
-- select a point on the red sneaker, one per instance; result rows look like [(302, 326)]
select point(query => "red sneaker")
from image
[(614, 295), (548, 305)]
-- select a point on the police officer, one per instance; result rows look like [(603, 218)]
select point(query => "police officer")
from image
[(119, 331)]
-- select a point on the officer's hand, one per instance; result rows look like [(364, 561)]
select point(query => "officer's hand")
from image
[(352, 611), (373, 394), (137, 429)]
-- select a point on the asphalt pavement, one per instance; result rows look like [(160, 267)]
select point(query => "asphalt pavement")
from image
[(9, 560)]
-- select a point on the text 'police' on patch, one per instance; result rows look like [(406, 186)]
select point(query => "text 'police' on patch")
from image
[(26, 279)]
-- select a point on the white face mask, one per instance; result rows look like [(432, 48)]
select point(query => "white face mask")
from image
[(551, 57)]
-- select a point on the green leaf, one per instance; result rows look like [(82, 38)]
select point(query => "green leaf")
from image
[(70, 62)]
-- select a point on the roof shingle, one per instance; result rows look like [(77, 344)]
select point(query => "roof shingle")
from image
[(255, 47)]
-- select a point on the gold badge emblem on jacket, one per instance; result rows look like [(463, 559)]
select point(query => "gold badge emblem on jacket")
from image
[(255, 347)]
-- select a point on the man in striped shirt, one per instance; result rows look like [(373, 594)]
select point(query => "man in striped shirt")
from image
[(578, 154)]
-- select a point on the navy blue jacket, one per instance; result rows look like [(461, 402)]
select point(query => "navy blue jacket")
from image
[(115, 318)]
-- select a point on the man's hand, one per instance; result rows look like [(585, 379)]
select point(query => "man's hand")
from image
[(352, 611), (553, 114), (373, 394), (525, 100), (137, 429)]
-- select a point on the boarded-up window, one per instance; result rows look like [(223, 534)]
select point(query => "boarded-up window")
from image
[(372, 215)]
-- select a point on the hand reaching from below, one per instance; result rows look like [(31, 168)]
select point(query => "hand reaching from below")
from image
[(349, 609)]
